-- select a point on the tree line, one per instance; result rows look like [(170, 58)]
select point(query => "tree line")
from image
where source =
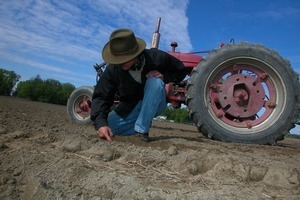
[(35, 89), (52, 91)]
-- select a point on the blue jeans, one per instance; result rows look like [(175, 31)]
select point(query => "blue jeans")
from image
[(140, 119)]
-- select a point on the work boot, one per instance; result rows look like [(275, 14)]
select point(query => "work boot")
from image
[(144, 137)]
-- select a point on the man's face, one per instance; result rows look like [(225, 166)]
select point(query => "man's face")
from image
[(127, 65)]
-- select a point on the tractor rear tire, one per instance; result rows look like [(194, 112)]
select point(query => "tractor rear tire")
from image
[(79, 105), (244, 93)]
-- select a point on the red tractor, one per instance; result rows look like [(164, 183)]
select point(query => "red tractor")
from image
[(238, 93)]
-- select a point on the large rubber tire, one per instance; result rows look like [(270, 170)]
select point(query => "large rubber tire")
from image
[(244, 93), (79, 105)]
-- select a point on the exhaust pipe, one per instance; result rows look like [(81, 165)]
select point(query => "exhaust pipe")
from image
[(156, 35)]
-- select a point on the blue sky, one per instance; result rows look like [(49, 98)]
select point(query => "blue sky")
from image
[(62, 39)]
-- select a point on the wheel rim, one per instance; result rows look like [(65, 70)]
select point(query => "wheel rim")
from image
[(82, 107), (243, 96)]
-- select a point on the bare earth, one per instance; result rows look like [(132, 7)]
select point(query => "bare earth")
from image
[(44, 156)]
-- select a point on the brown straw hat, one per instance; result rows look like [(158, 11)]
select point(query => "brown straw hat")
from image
[(122, 47)]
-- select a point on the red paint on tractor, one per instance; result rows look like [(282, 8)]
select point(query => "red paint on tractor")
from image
[(189, 60)]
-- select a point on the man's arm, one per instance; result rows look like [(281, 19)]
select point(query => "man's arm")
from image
[(102, 100), (172, 69)]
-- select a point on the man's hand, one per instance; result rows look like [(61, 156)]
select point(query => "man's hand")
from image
[(105, 133), (154, 73)]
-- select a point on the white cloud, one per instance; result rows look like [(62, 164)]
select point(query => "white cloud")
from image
[(69, 35)]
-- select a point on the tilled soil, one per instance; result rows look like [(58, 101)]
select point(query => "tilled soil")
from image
[(44, 156)]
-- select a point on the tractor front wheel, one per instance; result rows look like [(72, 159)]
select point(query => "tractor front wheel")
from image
[(79, 105)]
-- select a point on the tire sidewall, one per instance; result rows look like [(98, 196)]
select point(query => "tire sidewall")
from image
[(77, 93)]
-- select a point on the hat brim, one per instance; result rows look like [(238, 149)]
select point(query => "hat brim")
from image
[(108, 57)]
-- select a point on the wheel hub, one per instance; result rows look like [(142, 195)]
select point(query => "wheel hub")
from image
[(82, 107), (241, 95)]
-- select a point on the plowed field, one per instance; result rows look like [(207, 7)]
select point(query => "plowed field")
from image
[(44, 156)]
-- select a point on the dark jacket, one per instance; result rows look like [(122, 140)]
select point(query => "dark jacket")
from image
[(130, 91)]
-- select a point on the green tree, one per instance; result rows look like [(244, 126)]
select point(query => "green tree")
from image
[(64, 93), (31, 89), (23, 89), (8, 80), (36, 88), (48, 91), (180, 115)]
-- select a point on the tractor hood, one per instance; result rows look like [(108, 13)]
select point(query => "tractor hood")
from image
[(188, 59)]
